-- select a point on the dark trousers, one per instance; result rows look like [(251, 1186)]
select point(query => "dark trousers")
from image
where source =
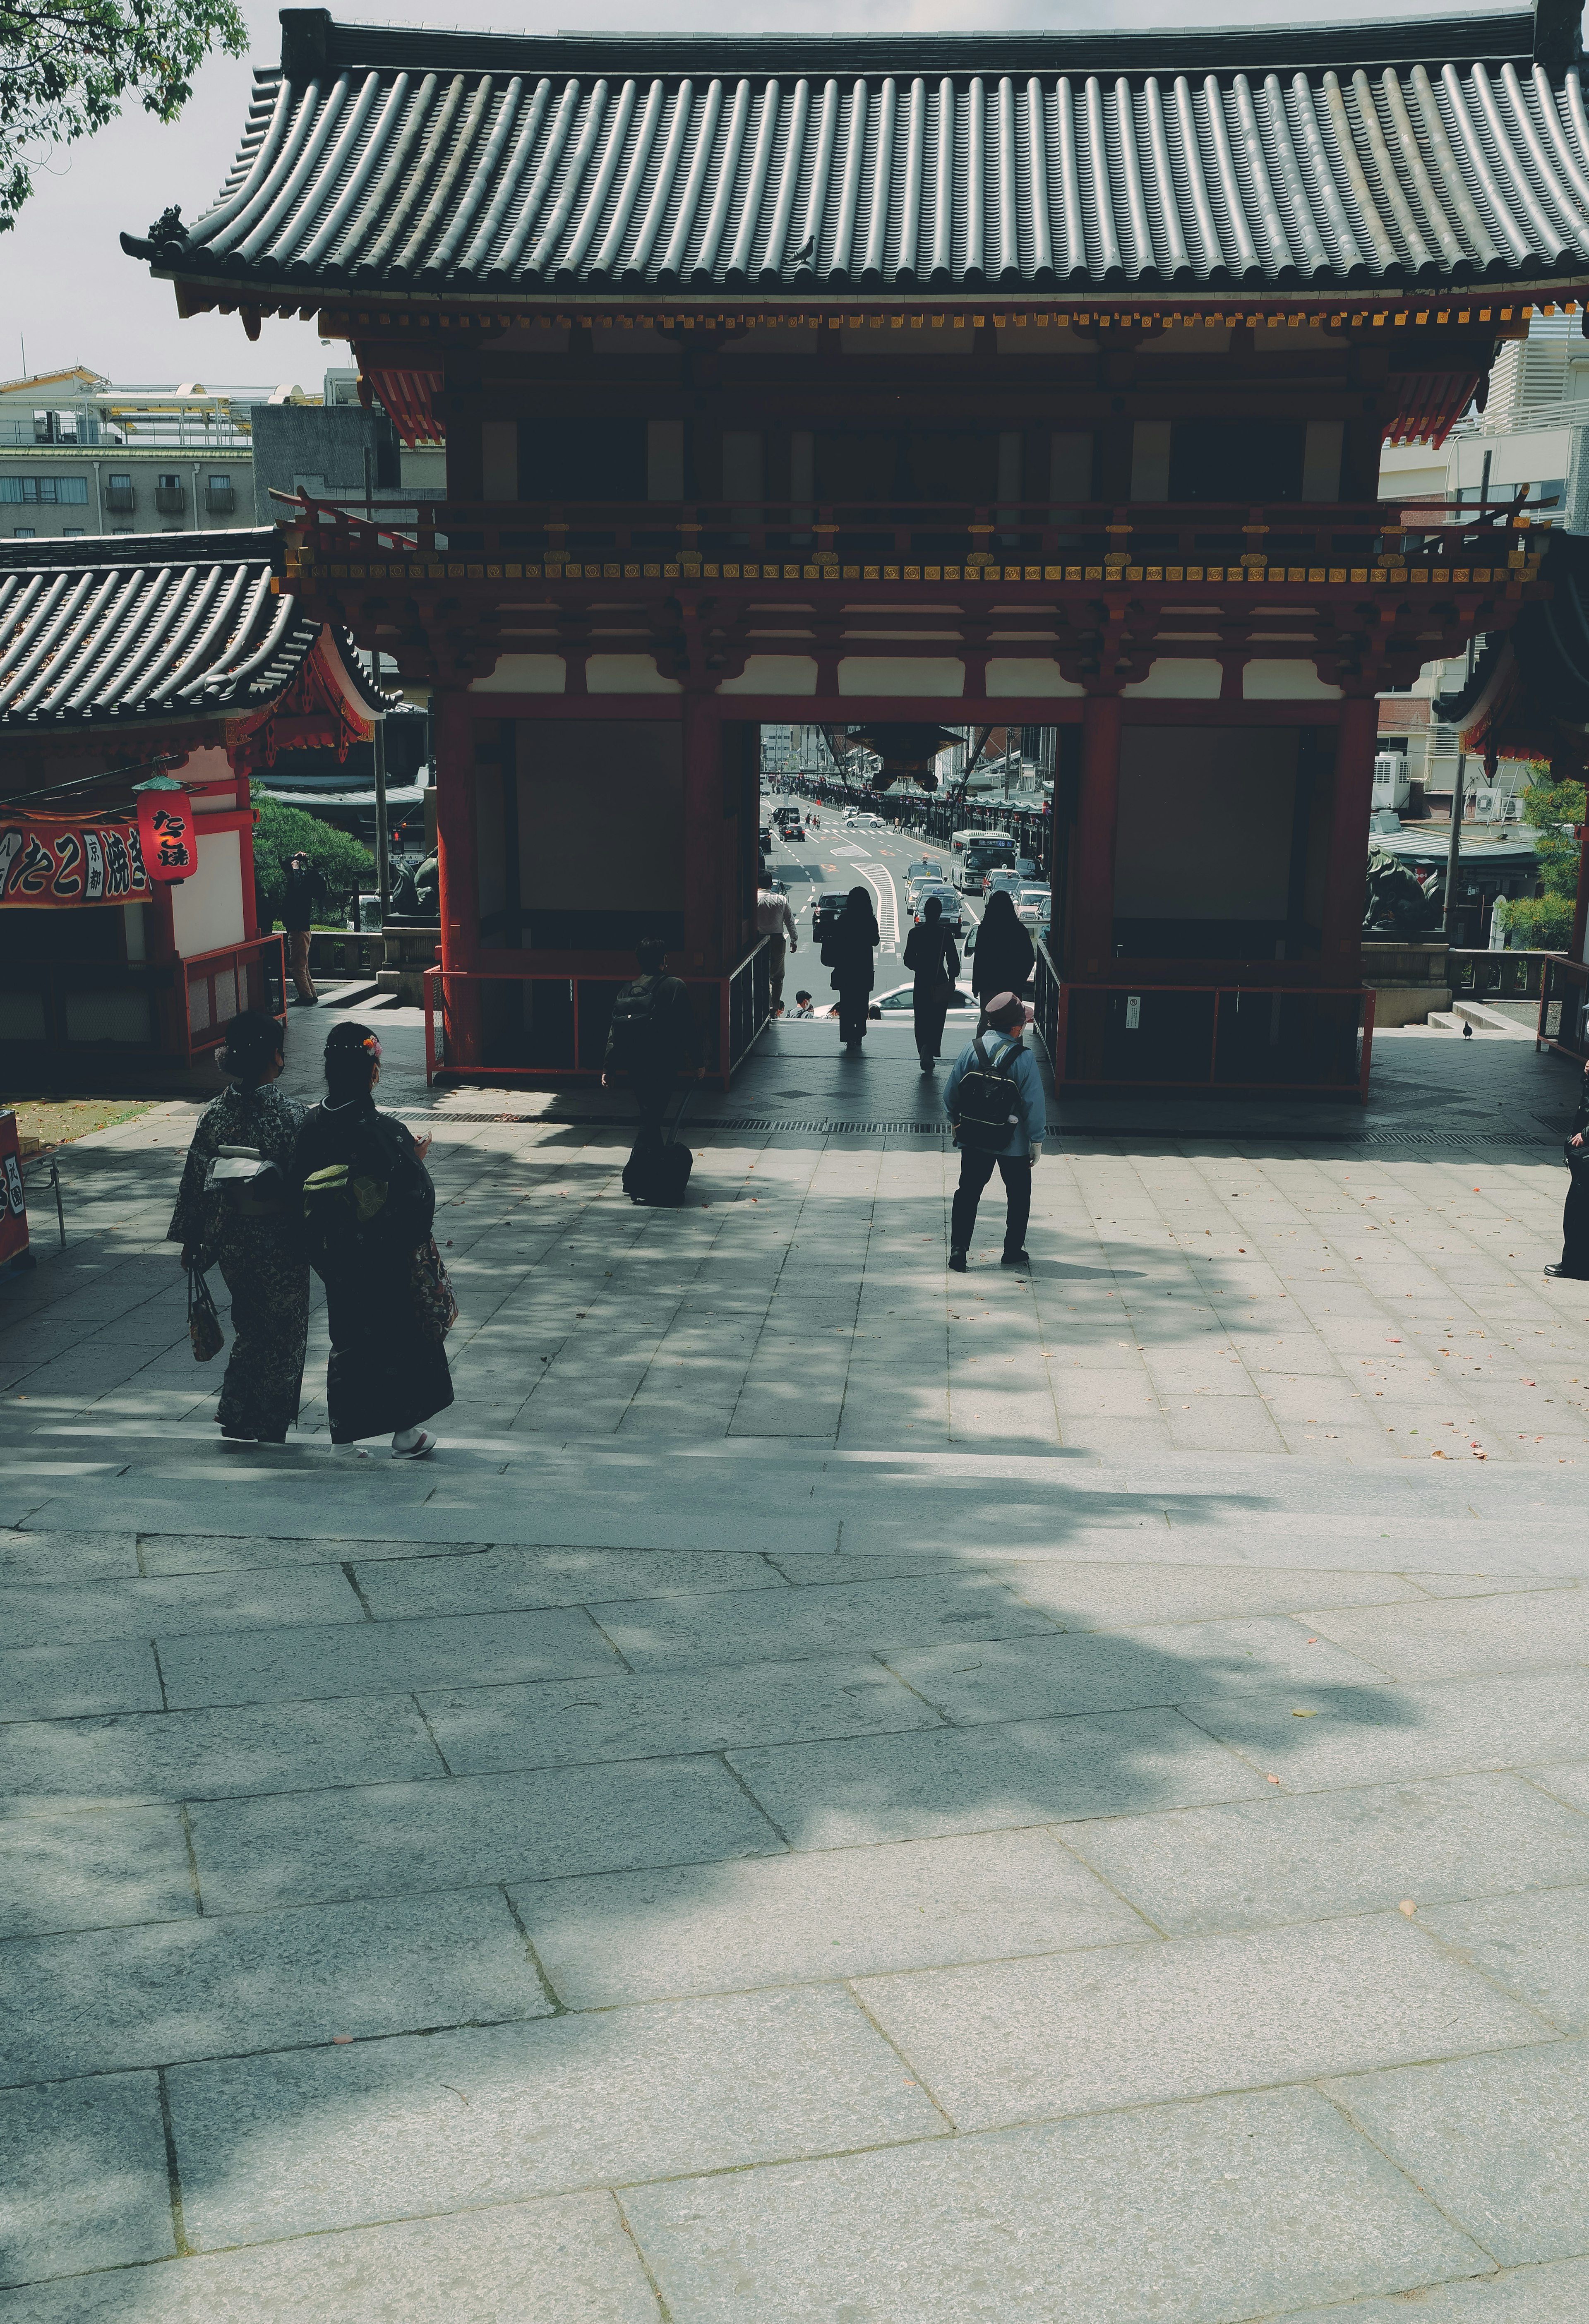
[(652, 1094), (975, 1170), (1575, 1222), (852, 1011), (931, 1006)]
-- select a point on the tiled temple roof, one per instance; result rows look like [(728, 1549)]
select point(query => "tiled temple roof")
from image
[(170, 626), (1313, 157)]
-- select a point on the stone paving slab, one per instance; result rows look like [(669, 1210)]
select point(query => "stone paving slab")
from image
[(198, 1988), (392, 1839), (1005, 2041), (736, 1626), (83, 2178), (1501, 2143), (847, 1913), (92, 1868), (1236, 2208), (174, 1607), (1524, 2295), (660, 1712), (193, 1755), (73, 1682), (382, 1657), (565, 2257), (1127, 1670), (1459, 1635), (1389, 1733), (311, 2139), (1536, 1946), (990, 1778), (1358, 1850)]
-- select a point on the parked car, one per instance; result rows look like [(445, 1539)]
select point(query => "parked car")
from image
[(901, 999)]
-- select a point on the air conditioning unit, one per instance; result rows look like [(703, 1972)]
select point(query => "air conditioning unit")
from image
[(1392, 788)]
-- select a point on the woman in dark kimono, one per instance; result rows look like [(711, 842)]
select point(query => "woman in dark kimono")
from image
[(931, 956), (259, 1257), (1005, 955), (367, 1204), (847, 949)]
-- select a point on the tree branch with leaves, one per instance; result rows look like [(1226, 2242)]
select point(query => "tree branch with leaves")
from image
[(66, 66)]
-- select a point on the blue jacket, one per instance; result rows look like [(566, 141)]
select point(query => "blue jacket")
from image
[(1028, 1085)]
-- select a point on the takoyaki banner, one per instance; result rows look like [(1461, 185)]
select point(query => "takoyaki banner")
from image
[(49, 861)]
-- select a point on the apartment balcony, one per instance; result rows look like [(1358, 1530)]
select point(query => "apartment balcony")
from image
[(219, 499), (120, 500), (170, 500)]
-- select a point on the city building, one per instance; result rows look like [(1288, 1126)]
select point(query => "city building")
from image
[(1042, 374), (79, 455)]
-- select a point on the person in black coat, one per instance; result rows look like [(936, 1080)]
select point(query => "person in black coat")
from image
[(847, 949), (1004, 955), (1575, 1217), (360, 1180), (932, 958), (670, 1045)]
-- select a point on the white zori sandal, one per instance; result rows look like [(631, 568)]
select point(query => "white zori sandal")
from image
[(421, 1442)]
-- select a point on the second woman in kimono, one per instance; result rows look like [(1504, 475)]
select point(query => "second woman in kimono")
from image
[(251, 1235)]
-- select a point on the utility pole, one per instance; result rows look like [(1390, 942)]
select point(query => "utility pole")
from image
[(1454, 847)]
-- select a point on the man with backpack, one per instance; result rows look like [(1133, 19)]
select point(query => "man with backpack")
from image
[(994, 1098), (653, 1039)]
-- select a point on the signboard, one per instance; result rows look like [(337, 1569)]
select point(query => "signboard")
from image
[(165, 827), (52, 863), (14, 1208)]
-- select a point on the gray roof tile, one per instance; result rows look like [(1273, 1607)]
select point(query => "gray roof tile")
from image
[(1289, 157)]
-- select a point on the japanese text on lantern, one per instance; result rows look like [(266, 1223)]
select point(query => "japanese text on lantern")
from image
[(165, 826)]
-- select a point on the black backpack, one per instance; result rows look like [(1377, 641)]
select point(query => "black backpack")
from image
[(988, 1101), (637, 1019)]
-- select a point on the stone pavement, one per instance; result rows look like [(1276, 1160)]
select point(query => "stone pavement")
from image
[(843, 1792)]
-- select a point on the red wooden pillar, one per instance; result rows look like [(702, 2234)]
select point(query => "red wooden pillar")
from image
[(1092, 852), (1346, 868), (461, 885)]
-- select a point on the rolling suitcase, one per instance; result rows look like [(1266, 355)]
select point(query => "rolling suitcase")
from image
[(659, 1177)]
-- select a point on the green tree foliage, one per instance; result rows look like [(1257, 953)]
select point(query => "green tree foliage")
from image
[(344, 864), (66, 65), (1546, 922)]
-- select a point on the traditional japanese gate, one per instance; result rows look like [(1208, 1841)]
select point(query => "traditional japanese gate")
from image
[(1043, 376)]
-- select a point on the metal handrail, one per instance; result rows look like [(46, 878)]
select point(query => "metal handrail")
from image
[(740, 1004), (1054, 996)]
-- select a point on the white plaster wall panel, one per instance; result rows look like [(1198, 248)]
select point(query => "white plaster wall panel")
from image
[(627, 674), (207, 910), (879, 674), (774, 674), (1172, 678), (525, 674), (1286, 681), (1036, 679)]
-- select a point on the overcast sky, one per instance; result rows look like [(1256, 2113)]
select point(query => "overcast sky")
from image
[(68, 292)]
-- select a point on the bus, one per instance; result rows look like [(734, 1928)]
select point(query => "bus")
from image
[(960, 839)]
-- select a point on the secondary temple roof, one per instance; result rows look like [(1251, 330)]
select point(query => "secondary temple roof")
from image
[(173, 626), (1309, 157), (1530, 684)]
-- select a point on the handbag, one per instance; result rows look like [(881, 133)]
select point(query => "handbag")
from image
[(204, 1324), (433, 1291), (250, 1186)]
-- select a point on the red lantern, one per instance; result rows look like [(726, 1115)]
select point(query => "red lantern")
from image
[(166, 833)]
